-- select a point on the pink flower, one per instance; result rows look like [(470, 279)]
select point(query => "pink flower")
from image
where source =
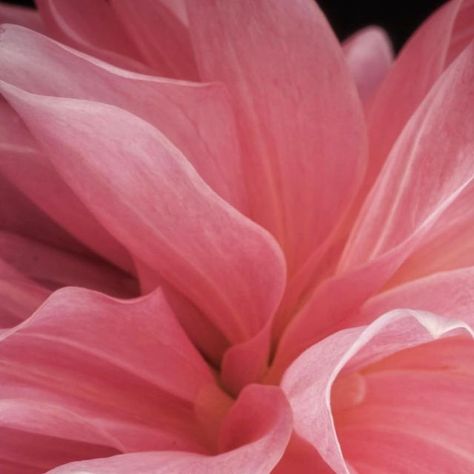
[(273, 236)]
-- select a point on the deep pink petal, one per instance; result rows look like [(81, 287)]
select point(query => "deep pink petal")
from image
[(29, 453), (197, 118), (20, 216), (463, 30), (369, 55), (19, 296), (254, 435), (309, 382), (94, 28), (155, 203), (54, 268), (125, 371), (299, 116), (160, 36), (19, 15), (415, 71)]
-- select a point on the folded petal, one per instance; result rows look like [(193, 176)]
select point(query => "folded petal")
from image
[(160, 36), (154, 202), (300, 120), (331, 382), (416, 69), (94, 28), (254, 434), (117, 373), (197, 118), (369, 55)]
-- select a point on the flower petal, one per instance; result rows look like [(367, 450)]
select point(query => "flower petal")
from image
[(415, 71), (154, 202), (161, 37), (448, 293), (369, 55), (197, 118), (416, 411), (428, 170), (20, 15), (425, 189), (93, 28), (20, 216), (54, 268), (304, 145), (30, 171), (55, 359), (309, 381), (19, 296), (255, 434)]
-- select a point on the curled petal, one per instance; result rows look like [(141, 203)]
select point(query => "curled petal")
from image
[(330, 379)]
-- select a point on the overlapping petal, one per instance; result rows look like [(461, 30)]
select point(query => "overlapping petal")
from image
[(427, 54), (29, 170), (90, 369), (301, 124), (160, 35), (153, 201), (197, 118), (424, 190), (369, 55), (54, 268), (253, 438), (20, 16), (93, 28), (338, 385)]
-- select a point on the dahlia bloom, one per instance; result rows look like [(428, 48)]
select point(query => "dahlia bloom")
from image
[(232, 244)]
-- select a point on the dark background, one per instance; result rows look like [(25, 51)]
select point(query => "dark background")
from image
[(399, 18)]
